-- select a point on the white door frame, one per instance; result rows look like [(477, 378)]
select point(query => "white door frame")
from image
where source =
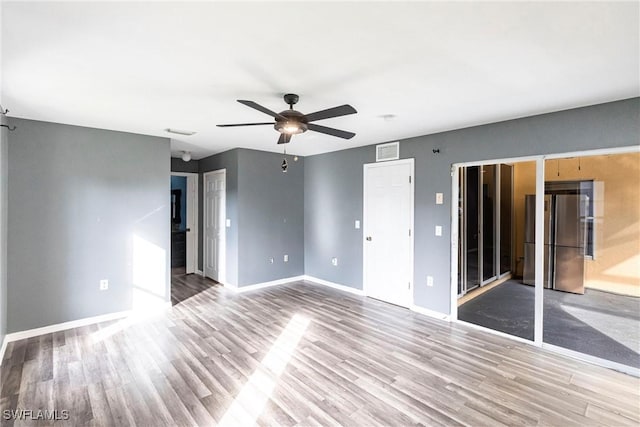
[(411, 163), (192, 177), (539, 252), (222, 262)]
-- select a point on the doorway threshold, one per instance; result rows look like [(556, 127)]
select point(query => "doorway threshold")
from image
[(482, 289)]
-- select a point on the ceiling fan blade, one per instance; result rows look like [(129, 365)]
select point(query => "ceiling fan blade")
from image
[(245, 124), (331, 131), (342, 110), (285, 138), (261, 109)]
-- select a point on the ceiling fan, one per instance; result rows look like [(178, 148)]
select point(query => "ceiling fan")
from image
[(291, 122)]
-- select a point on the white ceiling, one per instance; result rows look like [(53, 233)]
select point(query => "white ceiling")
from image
[(142, 67)]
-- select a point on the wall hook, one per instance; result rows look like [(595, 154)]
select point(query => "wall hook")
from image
[(436, 151), (11, 128)]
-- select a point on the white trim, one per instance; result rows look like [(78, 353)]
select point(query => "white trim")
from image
[(431, 313), (222, 270), (187, 174), (539, 254), (455, 195), (199, 273), (338, 286), (242, 289), (630, 370), (495, 332), (192, 179), (532, 158), (15, 336), (365, 167), (3, 348), (196, 224)]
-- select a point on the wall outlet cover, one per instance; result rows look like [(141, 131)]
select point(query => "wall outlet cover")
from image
[(438, 230), (334, 261), (104, 285), (286, 258)]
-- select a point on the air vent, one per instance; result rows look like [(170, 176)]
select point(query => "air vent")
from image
[(390, 151)]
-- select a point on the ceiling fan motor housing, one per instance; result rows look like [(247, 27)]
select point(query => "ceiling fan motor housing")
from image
[(294, 122)]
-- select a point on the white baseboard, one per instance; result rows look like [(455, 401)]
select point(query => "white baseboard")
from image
[(430, 313), (241, 289), (16, 336), (333, 285)]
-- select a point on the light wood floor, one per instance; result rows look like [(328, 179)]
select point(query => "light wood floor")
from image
[(357, 362)]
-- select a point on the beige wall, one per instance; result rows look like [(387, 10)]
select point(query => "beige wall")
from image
[(524, 182), (616, 267)]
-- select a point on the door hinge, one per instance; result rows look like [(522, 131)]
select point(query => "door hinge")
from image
[(409, 285), (409, 179), (409, 232)]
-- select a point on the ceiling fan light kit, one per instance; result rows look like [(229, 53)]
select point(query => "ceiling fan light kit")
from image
[(292, 122)]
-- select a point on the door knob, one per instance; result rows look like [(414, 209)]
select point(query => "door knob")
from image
[(368, 238)]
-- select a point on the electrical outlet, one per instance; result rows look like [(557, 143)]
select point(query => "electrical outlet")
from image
[(438, 230), (104, 285), (228, 223), (286, 258), (357, 223), (271, 260), (439, 198), (334, 261), (430, 281)]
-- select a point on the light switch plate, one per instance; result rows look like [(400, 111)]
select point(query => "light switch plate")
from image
[(334, 261), (438, 230), (439, 198)]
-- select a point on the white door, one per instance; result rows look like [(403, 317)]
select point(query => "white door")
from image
[(192, 228), (388, 231), (214, 219)]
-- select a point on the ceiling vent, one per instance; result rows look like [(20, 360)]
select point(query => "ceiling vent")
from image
[(390, 151)]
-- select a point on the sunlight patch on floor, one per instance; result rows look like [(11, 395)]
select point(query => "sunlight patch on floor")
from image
[(250, 402)]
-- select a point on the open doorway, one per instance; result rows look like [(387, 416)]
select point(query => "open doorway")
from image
[(574, 284), (184, 223)]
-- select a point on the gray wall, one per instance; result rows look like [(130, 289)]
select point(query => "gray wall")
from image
[(270, 217), (229, 161), (265, 207), (76, 199), (332, 204), (179, 165), (333, 186)]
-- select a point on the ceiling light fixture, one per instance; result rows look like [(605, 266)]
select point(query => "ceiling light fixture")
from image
[(180, 132), (186, 156)]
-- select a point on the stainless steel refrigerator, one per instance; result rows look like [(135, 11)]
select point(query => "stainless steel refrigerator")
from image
[(564, 241)]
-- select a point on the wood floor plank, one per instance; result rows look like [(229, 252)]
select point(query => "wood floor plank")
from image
[(358, 362)]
